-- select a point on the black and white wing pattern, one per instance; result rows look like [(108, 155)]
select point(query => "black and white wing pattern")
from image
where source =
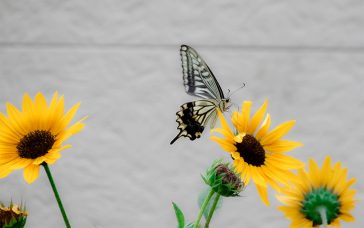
[(198, 81), (197, 77)]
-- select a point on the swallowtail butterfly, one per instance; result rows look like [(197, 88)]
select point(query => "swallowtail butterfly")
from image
[(198, 81)]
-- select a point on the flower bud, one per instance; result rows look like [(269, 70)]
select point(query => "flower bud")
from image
[(13, 216), (223, 180)]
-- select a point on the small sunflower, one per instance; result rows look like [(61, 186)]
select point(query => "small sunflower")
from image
[(259, 154), (319, 196), (35, 134)]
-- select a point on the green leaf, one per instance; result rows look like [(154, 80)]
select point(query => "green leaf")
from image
[(179, 215), (202, 198), (190, 225)]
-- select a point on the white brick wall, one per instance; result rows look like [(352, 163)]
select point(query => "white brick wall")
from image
[(121, 59)]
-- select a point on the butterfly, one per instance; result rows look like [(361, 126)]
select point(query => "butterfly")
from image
[(199, 81)]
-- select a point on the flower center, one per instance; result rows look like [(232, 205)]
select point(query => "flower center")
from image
[(35, 144), (317, 198), (251, 151)]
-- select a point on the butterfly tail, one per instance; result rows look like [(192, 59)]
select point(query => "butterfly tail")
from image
[(175, 138)]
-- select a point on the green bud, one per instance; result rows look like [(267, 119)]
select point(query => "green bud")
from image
[(223, 180)]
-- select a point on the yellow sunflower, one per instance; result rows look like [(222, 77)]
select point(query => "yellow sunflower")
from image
[(35, 134), (259, 154), (319, 196)]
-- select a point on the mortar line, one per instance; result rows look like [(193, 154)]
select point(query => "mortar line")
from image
[(116, 46)]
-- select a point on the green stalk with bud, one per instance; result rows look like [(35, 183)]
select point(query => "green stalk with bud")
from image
[(222, 181)]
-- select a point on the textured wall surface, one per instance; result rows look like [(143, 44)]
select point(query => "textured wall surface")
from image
[(121, 60)]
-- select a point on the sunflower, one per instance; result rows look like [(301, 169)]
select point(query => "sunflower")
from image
[(258, 154), (319, 196), (35, 134)]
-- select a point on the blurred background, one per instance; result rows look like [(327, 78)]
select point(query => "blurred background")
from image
[(121, 60)]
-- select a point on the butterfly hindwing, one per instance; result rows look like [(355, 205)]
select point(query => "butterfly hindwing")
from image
[(192, 118)]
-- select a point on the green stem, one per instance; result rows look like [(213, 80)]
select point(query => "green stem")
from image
[(203, 207), (322, 211), (212, 210), (50, 178)]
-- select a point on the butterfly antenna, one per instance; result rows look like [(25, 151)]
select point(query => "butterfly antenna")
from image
[(230, 94)]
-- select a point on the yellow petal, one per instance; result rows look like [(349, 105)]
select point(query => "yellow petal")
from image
[(302, 181), (31, 173), (299, 223), (17, 163), (257, 118), (8, 131), (238, 166), (4, 172), (227, 134), (74, 129), (66, 119), (257, 176), (60, 106), (27, 104), (38, 160), (40, 102), (270, 177), (334, 173), (286, 162), (277, 133), (41, 111), (54, 112), (282, 174), (263, 193), (288, 200), (223, 122), (16, 119), (235, 119), (336, 223), (245, 116), (341, 181), (281, 146), (5, 157), (264, 129), (346, 185), (314, 173), (71, 113), (245, 173), (235, 155), (53, 156), (239, 138), (347, 217), (225, 145), (326, 171)]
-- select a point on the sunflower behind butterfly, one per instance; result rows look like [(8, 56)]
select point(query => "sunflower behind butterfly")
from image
[(198, 81)]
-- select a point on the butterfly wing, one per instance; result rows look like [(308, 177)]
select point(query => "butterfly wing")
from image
[(193, 117), (197, 76)]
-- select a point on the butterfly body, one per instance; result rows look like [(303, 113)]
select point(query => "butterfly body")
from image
[(198, 81)]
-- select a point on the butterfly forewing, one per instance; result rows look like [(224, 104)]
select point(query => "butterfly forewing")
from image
[(197, 76)]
